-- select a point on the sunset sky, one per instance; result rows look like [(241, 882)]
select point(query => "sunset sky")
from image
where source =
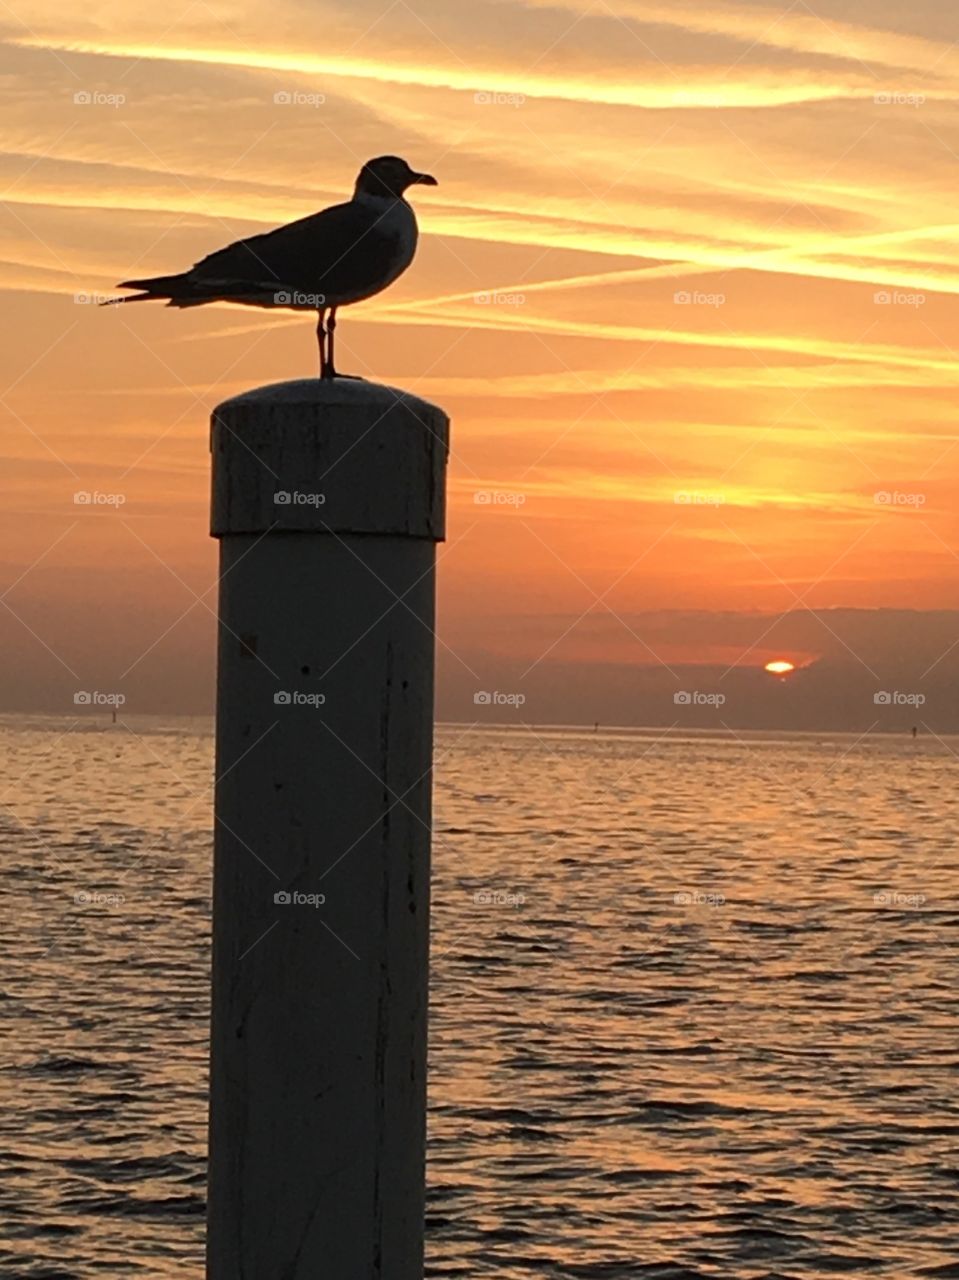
[(687, 289)]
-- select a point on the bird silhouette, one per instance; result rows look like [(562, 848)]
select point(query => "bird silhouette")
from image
[(330, 259)]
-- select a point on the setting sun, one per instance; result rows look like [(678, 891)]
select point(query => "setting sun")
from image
[(780, 668)]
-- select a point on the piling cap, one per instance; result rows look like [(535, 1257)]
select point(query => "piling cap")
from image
[(338, 456)]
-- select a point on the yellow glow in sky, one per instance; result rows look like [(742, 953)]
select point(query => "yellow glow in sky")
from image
[(688, 289)]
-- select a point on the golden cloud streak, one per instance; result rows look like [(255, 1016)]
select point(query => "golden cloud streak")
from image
[(713, 88), (795, 30)]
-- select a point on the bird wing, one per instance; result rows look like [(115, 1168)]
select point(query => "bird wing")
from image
[(341, 250)]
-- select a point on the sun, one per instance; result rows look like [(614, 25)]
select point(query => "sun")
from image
[(780, 668)]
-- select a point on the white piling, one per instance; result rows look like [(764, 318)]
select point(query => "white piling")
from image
[(328, 499)]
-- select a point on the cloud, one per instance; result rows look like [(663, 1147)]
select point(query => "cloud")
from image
[(797, 30), (660, 87)]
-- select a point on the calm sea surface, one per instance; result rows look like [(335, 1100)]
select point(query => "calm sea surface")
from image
[(694, 1004)]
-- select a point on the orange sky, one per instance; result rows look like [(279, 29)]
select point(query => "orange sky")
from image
[(687, 289)]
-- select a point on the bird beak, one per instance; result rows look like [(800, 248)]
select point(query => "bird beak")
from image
[(426, 179)]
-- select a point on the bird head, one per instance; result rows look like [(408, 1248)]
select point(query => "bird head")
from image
[(389, 176)]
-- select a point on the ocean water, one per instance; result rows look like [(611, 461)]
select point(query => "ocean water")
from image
[(694, 1008)]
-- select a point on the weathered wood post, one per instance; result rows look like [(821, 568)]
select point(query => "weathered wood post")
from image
[(328, 499)]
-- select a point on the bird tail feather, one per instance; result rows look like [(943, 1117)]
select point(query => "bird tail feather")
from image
[(156, 289), (186, 290)]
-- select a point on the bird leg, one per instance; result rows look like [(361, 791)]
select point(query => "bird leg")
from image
[(324, 335), (329, 369), (321, 339)]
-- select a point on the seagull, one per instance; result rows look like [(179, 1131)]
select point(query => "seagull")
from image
[(341, 255)]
